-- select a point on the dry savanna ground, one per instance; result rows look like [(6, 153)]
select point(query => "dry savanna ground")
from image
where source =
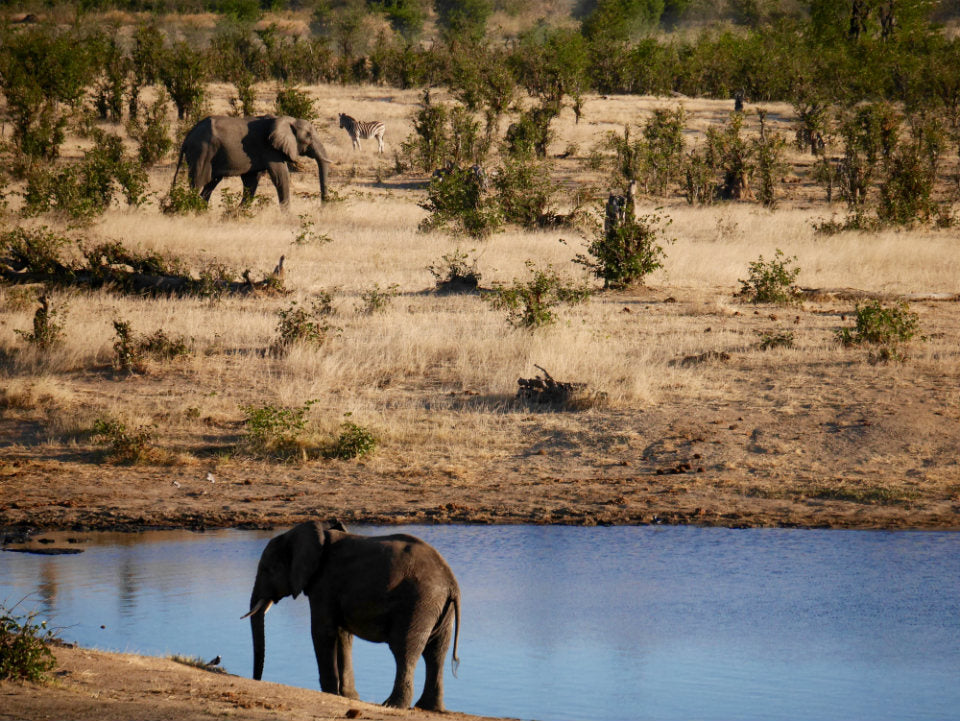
[(813, 434)]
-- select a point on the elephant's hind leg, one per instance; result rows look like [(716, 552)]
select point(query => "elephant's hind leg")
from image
[(250, 182), (433, 656), (405, 652), (209, 188)]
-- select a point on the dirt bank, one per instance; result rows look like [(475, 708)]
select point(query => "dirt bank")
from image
[(92, 685)]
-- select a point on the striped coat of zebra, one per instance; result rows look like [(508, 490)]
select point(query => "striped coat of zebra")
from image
[(358, 129)]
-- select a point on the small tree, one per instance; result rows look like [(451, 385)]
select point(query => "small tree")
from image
[(184, 71), (295, 102), (626, 248), (151, 130)]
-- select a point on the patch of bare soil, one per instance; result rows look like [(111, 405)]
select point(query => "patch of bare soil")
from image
[(89, 685)]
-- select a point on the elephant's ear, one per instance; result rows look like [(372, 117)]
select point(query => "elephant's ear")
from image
[(283, 139), (306, 549)]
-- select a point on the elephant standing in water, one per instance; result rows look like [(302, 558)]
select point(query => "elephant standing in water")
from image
[(220, 146), (392, 589)]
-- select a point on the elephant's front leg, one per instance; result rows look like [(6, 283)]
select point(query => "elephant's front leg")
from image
[(326, 644), (280, 175), (345, 664)]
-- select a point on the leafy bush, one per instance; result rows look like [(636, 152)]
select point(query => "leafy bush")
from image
[(35, 250), (300, 325), (530, 135), (130, 351), (626, 248), (376, 299), (771, 281), (25, 653), (455, 273), (444, 135), (458, 198), (883, 326), (307, 235), (85, 190), (150, 128), (130, 447), (530, 304), (525, 191), (183, 199), (768, 149), (354, 441), (783, 339), (46, 332), (183, 71), (277, 430), (44, 73), (655, 160), (295, 102)]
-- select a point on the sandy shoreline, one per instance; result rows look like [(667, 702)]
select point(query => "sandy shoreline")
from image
[(92, 685)]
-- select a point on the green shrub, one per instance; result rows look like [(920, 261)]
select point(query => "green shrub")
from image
[(530, 135), (183, 71), (47, 332), (130, 351), (354, 441), (85, 189), (146, 58), (531, 304), (295, 102), (455, 273), (376, 299), (307, 235), (182, 199), (888, 327), (277, 430), (771, 281), (458, 199), (129, 447), (150, 128), (428, 145), (782, 339), (768, 150), (732, 159), (300, 325), (525, 191), (44, 73), (37, 250), (114, 67), (626, 248), (25, 653)]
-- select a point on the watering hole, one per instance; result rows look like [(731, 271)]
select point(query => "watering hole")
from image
[(570, 623)]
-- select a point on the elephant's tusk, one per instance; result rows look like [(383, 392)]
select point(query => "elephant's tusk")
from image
[(255, 609)]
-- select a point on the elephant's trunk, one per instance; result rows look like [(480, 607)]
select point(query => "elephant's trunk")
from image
[(323, 167), (258, 609)]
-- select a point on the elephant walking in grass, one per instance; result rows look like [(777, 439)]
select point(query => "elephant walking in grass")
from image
[(221, 146), (392, 589)]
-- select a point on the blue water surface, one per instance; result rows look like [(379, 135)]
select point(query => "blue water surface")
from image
[(573, 623)]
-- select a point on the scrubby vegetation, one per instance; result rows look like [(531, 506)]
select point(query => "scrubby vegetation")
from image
[(505, 135), (24, 646)]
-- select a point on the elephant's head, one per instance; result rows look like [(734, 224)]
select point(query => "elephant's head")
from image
[(294, 138), (287, 565)]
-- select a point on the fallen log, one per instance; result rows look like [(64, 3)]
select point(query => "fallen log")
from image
[(127, 280)]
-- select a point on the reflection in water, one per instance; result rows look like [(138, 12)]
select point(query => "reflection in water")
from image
[(575, 623)]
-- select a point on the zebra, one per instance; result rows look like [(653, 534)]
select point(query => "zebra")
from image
[(357, 129)]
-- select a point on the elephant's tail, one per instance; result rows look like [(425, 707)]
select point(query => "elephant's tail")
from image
[(455, 660), (177, 171)]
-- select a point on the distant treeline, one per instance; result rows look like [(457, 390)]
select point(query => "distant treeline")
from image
[(822, 51)]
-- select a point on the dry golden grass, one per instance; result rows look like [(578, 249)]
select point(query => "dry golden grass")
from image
[(434, 376)]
